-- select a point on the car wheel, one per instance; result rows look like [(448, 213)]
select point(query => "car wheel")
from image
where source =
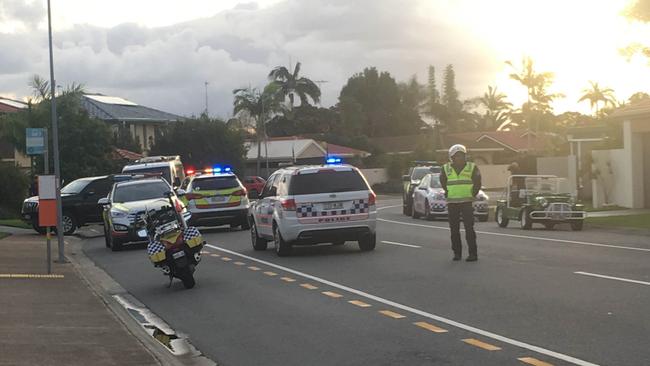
[(368, 242), (69, 223), (577, 225), (501, 218), (525, 221), (549, 226), (258, 243), (282, 248), (414, 213)]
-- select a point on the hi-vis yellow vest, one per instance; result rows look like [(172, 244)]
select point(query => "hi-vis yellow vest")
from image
[(459, 186)]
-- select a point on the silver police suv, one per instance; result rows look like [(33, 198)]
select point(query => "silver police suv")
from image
[(314, 204)]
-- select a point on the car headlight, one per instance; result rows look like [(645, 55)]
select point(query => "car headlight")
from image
[(120, 227), (543, 201), (119, 214)]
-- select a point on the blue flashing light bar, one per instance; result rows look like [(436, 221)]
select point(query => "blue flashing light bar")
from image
[(227, 169), (333, 160)]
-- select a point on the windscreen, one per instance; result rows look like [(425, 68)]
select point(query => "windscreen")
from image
[(214, 184), (435, 181), (419, 173), (76, 186), (140, 191), (327, 182), (164, 170)]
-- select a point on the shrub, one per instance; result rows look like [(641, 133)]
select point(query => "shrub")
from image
[(13, 189)]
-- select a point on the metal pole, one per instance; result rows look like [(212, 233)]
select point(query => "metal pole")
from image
[(206, 98), (55, 145), (46, 158)]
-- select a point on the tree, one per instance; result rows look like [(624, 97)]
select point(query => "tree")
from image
[(638, 11), (291, 85), (596, 94), (259, 107), (201, 142), (638, 96), (306, 119), (497, 109), (453, 106), (14, 185)]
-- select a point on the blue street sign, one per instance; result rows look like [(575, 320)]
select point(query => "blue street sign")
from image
[(35, 141)]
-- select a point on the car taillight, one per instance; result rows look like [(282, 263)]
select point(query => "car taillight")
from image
[(288, 204), (372, 198), (193, 196), (241, 192)]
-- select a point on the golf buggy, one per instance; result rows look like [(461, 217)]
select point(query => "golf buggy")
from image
[(542, 199)]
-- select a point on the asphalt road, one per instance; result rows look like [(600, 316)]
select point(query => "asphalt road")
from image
[(534, 297)]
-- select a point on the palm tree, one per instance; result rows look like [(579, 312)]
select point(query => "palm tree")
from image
[(260, 107), (497, 108), (290, 85), (595, 95)]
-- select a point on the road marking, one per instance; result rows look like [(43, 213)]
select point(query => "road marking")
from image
[(29, 275), (534, 361), (400, 244), (477, 343), (287, 279), (331, 294), (205, 252), (359, 303), (215, 255), (269, 273), (239, 263), (226, 259), (613, 278), (415, 311), (308, 286), (524, 237), (392, 314), (430, 327), (253, 268)]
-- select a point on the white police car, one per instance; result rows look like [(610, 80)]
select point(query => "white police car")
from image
[(314, 204)]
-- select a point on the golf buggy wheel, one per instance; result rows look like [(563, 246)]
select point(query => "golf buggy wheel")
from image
[(69, 223), (577, 225), (258, 243), (501, 218), (549, 226), (282, 248), (414, 213), (186, 276), (368, 242), (525, 221)]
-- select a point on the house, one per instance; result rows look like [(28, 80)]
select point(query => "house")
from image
[(143, 122), (498, 147), (622, 176), (8, 152)]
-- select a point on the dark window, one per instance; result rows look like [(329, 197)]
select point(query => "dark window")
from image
[(267, 190), (140, 191), (76, 186), (214, 183), (435, 181), (164, 170), (100, 187), (326, 182), (418, 173)]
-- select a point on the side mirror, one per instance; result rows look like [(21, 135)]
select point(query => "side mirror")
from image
[(406, 178), (180, 192), (104, 201)]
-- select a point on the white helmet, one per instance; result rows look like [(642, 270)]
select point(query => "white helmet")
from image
[(457, 148)]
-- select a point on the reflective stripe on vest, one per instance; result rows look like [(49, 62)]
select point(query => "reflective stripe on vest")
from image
[(459, 186)]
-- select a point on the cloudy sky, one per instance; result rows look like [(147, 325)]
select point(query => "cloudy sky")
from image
[(160, 53)]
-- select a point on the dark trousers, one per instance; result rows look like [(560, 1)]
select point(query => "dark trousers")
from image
[(455, 211)]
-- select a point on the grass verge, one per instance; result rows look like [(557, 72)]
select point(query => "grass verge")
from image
[(641, 221), (4, 235), (14, 223)]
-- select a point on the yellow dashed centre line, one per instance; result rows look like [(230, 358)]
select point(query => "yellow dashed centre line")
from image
[(430, 327), (360, 304), (240, 263), (205, 252), (392, 314), (477, 343), (29, 275), (534, 361), (226, 259), (215, 255), (308, 286), (253, 268), (287, 279), (332, 294), (270, 273)]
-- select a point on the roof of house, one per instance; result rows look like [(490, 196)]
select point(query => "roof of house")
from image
[(109, 108), (640, 108), (9, 105), (285, 149), (503, 140), (126, 154), (396, 144), (344, 151)]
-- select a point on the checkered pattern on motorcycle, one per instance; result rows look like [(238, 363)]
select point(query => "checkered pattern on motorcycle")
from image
[(307, 209)]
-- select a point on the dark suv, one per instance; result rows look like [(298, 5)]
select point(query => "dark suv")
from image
[(412, 180), (79, 201)]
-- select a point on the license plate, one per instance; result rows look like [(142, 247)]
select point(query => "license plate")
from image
[(333, 206), (178, 254), (217, 199)]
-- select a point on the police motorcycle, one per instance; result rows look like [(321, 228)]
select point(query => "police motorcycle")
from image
[(173, 246)]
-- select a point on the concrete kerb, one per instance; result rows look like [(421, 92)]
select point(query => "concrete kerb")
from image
[(104, 287)]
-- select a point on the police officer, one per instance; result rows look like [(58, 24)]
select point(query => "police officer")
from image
[(461, 181)]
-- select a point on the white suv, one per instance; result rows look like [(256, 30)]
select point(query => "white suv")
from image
[(314, 204)]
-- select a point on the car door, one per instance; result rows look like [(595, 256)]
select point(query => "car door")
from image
[(419, 194), (263, 209), (88, 209)]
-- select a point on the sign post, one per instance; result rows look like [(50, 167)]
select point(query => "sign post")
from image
[(47, 208)]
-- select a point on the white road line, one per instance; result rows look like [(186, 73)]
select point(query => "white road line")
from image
[(525, 237), (612, 278), (400, 244), (441, 319)]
